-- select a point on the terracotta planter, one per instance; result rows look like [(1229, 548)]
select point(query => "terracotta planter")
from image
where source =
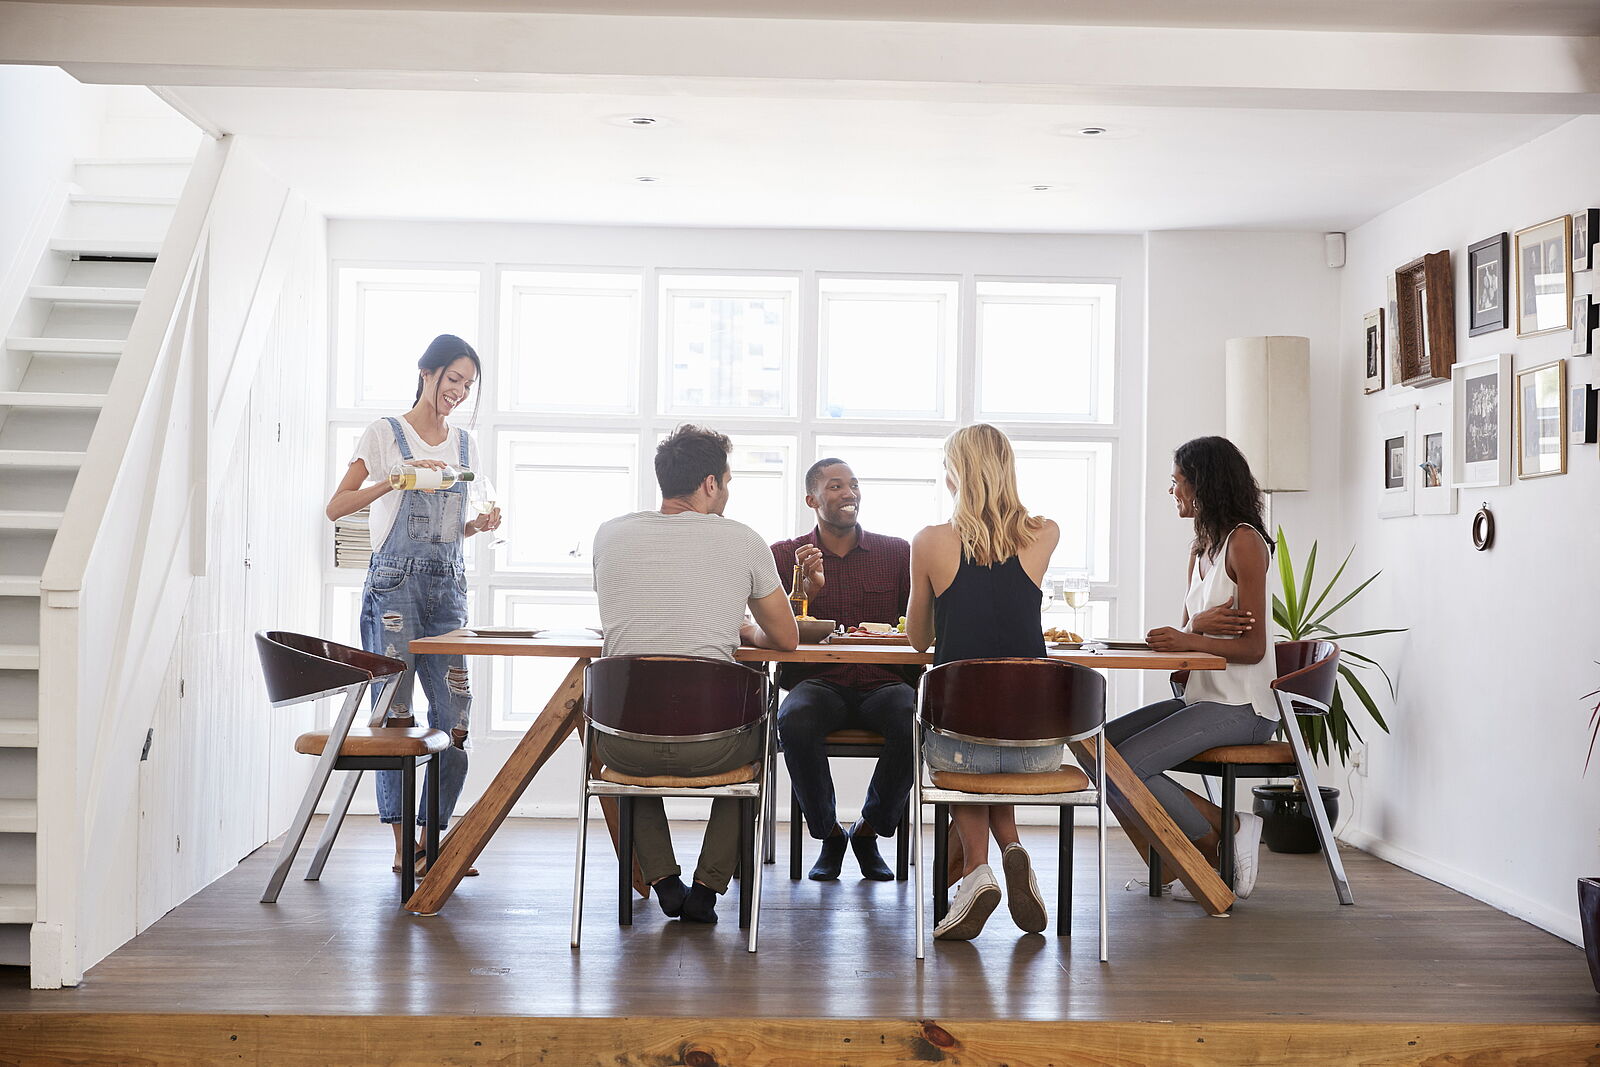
[(1589, 916)]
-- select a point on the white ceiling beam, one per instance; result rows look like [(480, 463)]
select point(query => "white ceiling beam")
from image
[(499, 51)]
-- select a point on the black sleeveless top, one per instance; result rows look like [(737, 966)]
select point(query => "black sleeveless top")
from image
[(988, 612)]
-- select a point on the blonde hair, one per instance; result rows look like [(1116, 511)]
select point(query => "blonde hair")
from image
[(989, 517)]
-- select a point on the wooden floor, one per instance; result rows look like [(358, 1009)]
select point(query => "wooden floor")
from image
[(1409, 952)]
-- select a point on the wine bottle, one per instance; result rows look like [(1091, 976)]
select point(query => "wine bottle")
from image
[(405, 476)]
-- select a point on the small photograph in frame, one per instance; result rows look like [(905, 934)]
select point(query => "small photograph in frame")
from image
[(1400, 477), (1486, 270), (1585, 231), (1542, 420), (1581, 414), (1479, 453), (1435, 494), (1585, 317), (1375, 353), (1544, 277)]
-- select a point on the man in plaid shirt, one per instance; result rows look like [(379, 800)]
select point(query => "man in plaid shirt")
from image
[(851, 576)]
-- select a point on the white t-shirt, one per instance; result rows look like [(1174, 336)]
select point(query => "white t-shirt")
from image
[(678, 585), (379, 451)]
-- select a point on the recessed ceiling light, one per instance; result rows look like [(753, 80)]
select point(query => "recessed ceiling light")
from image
[(639, 122), (646, 178), (1092, 131), (1096, 132), (1042, 188)]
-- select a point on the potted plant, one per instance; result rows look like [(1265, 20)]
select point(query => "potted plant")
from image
[(1589, 888), (1301, 615)]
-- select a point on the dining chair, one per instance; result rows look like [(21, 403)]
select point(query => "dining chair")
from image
[(1015, 703), (297, 668), (842, 744), (1307, 671), (667, 700)]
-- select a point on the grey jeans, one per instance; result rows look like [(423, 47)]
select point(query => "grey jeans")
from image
[(1160, 736), (652, 839)]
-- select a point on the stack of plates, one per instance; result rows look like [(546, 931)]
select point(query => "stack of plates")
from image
[(352, 540)]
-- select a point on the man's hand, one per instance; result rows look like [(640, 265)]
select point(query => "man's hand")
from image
[(1166, 639), (809, 558), (1223, 621)]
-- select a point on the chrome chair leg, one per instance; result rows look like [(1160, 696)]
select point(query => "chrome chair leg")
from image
[(583, 838), (916, 830), (308, 803), (1100, 838), (347, 791), (1319, 814), (763, 836)]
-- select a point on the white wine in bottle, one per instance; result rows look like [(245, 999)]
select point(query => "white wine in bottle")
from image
[(405, 476)]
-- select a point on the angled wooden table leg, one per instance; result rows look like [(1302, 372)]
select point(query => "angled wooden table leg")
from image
[(472, 831), (1142, 816)]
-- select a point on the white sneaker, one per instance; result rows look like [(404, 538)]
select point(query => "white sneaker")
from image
[(977, 898), (1181, 892), (1246, 854), (1022, 890)]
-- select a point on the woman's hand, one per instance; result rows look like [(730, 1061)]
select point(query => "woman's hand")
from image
[(1167, 639), (809, 559), (1223, 621), (484, 523), (427, 464)]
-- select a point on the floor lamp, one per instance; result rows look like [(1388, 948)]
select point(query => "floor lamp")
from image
[(1268, 411)]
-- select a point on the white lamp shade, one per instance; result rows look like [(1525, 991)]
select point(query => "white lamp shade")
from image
[(1268, 389)]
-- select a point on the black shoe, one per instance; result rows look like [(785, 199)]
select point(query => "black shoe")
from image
[(830, 859), (700, 906), (864, 843), (670, 893)]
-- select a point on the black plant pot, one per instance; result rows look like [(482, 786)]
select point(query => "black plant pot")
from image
[(1589, 916), (1287, 816)]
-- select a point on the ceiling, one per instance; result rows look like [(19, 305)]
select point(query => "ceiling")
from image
[(805, 161), (1563, 18)]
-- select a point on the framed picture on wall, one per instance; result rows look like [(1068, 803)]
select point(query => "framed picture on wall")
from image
[(1435, 494), (1399, 476), (1581, 412), (1542, 420), (1480, 423), (1544, 277), (1585, 317), (1427, 319), (1391, 338), (1375, 356), (1585, 231), (1486, 273)]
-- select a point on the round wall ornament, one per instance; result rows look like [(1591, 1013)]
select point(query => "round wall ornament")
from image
[(1483, 529)]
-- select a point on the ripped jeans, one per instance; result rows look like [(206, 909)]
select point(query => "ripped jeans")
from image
[(405, 599)]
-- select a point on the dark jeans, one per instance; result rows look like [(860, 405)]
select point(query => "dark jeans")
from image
[(813, 710)]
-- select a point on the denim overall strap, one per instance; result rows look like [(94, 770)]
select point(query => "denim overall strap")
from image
[(399, 436)]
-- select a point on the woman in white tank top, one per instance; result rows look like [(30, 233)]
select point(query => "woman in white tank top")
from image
[(1224, 613)]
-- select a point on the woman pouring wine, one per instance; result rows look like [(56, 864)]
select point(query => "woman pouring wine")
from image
[(419, 468)]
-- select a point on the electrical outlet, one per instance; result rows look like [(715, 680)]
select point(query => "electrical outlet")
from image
[(1358, 761)]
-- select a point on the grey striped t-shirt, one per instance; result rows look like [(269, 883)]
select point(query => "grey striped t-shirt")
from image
[(678, 585)]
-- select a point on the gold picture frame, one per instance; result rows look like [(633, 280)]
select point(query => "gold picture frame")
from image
[(1542, 436), (1544, 277)]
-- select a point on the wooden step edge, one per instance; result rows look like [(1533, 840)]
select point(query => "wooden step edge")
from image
[(18, 585), (85, 246), (17, 904), (59, 401), (86, 294), (130, 161), (30, 520), (19, 816), (19, 657), (136, 201), (67, 346), (40, 459)]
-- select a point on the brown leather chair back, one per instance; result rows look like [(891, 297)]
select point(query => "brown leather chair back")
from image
[(298, 668), (1014, 701), (1309, 669), (672, 697)]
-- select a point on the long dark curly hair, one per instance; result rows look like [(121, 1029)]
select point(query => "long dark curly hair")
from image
[(1226, 495)]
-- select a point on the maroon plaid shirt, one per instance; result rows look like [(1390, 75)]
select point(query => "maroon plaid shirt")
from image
[(872, 583)]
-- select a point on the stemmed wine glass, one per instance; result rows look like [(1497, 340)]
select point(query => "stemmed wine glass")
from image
[(482, 497), (1075, 591)]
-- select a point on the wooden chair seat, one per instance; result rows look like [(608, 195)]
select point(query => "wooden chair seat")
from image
[(736, 776), (1068, 779), (853, 737), (1268, 752), (391, 741)]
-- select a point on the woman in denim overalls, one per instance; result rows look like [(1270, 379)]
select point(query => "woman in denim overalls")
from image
[(416, 584)]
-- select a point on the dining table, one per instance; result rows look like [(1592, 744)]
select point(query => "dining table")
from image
[(1141, 816)]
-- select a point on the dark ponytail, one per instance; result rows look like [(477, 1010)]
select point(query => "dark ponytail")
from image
[(443, 351)]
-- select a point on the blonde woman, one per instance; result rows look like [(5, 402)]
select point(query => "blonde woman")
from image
[(975, 583)]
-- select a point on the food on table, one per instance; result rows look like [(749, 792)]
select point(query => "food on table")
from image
[(1058, 634)]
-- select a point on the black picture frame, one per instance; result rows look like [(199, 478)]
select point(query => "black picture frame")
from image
[(1585, 231), (1581, 414), (1585, 320), (1487, 284)]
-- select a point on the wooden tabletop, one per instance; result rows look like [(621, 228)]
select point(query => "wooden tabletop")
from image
[(570, 646)]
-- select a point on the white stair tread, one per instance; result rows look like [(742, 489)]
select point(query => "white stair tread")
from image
[(19, 585), (86, 294), (87, 346), (19, 657), (19, 816), (16, 904), (40, 459), (18, 733), (19, 399), (102, 198), (134, 161), (88, 246), (30, 520)]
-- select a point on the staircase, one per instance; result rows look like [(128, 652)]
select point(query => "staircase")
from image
[(61, 350)]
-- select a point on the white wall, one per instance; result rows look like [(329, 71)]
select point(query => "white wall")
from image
[(58, 120), (1481, 786)]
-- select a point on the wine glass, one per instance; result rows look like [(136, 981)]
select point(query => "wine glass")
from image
[(482, 497), (1075, 591)]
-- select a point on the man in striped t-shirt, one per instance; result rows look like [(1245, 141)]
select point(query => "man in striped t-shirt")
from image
[(677, 582)]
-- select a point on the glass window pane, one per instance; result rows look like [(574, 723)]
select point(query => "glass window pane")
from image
[(1070, 482), (522, 684), (386, 320), (764, 494), (557, 489), (1046, 351), (884, 348), (902, 480), (727, 343), (571, 341)]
